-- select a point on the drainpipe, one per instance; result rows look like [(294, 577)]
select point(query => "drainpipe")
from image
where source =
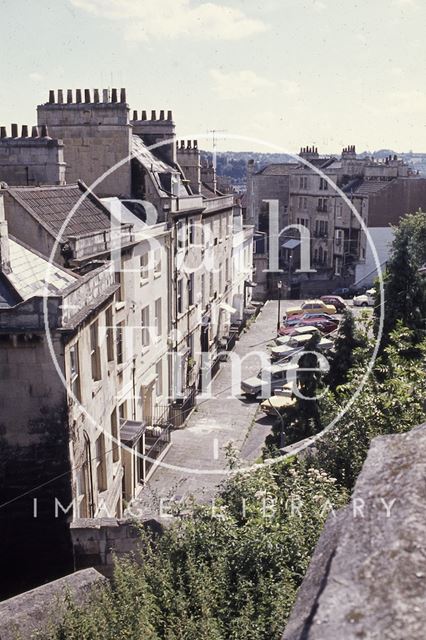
[(90, 471)]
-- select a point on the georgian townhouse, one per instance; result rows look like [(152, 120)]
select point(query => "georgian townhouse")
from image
[(60, 448)]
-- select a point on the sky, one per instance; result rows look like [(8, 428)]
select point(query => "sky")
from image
[(280, 74)]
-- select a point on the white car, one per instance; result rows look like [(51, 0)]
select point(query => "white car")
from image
[(366, 299), (268, 379), (285, 351), (296, 340)]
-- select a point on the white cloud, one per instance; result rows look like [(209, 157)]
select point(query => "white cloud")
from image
[(318, 5), (35, 77), (237, 84), (407, 102), (247, 84), (151, 19), (291, 88)]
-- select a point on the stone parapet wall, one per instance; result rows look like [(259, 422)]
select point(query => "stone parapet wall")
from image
[(34, 610)]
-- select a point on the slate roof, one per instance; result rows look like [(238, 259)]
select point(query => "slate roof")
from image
[(52, 205), (278, 169), (31, 274), (154, 165), (366, 187)]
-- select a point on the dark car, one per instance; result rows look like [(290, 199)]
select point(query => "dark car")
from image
[(336, 301), (294, 320), (342, 292), (324, 324)]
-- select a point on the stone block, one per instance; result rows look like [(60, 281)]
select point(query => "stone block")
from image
[(34, 610)]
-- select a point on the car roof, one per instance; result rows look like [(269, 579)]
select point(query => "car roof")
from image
[(317, 300), (276, 368), (306, 329)]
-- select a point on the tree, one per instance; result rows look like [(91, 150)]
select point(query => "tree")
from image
[(343, 358), (404, 287), (309, 379)]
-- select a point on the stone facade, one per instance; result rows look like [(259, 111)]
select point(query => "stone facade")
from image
[(159, 269), (380, 191), (31, 160), (96, 134)]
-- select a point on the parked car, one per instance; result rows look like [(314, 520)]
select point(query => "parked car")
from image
[(268, 379), (276, 404), (294, 320), (343, 292), (284, 352), (366, 299), (336, 301), (312, 306), (325, 325), (298, 339), (286, 390)]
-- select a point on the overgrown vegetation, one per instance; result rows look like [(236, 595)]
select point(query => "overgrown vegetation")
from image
[(233, 573)]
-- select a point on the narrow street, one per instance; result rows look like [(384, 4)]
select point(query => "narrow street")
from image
[(200, 446)]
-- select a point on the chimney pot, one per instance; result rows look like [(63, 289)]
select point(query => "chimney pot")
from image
[(14, 130), (113, 95), (44, 131), (24, 133), (135, 115), (51, 97), (87, 95), (195, 143), (182, 144), (96, 95), (122, 95), (169, 115), (60, 96), (104, 95), (34, 132), (153, 115), (3, 132), (162, 114), (188, 144), (144, 115), (78, 96), (69, 96)]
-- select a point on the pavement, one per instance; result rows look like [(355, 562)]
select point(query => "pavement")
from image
[(197, 462)]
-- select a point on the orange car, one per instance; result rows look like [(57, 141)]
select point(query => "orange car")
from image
[(312, 306)]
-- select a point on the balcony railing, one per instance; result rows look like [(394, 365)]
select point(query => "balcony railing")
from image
[(155, 443)]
